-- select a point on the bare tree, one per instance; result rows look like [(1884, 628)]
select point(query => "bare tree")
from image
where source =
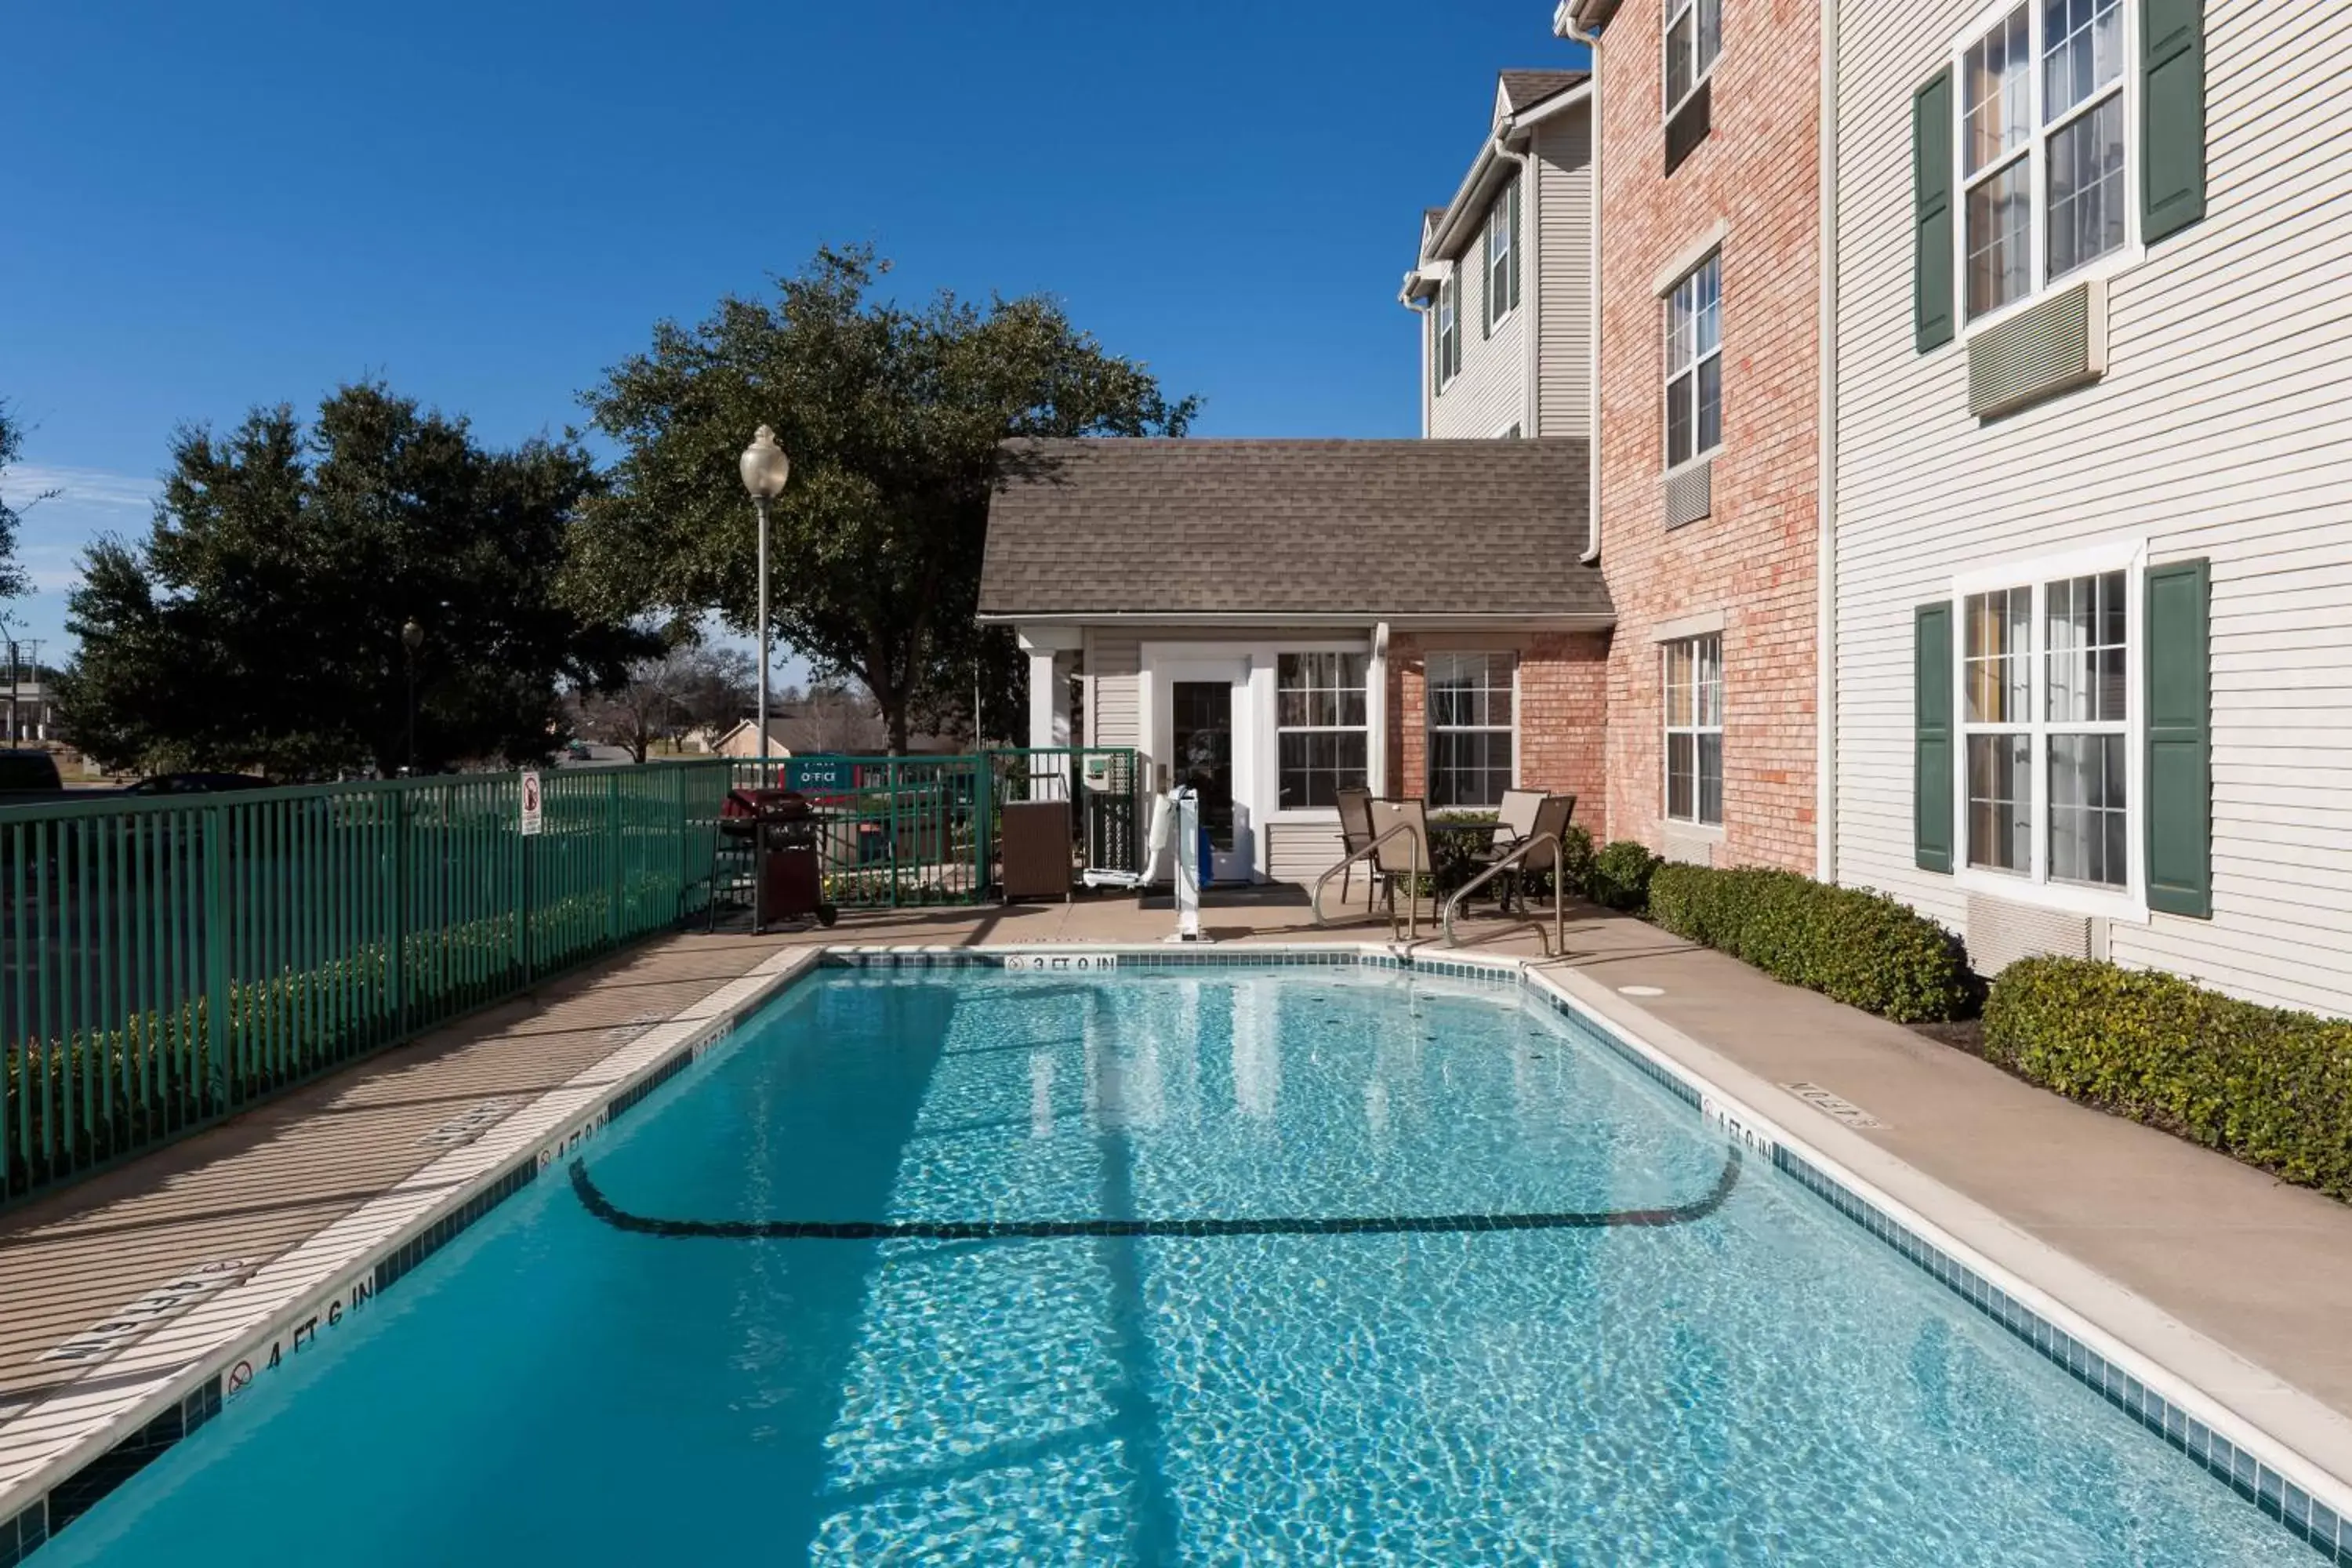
[(664, 698), (835, 716)]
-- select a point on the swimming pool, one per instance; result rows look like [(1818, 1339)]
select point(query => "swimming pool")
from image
[(1206, 1264)]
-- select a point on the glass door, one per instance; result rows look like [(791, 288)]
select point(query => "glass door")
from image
[(1203, 722)]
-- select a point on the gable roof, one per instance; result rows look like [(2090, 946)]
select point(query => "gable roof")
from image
[(1368, 530), (1517, 93), (1524, 89)]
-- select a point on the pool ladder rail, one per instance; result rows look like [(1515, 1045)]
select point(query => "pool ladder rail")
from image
[(1557, 943), (1411, 833)]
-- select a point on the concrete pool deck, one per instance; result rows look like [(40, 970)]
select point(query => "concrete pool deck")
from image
[(2261, 1269)]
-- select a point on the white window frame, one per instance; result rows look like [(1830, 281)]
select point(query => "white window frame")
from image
[(2033, 885), (1495, 247), (1448, 316), (1671, 13), (1431, 728), (2035, 152), (1666, 382), (1274, 763), (1668, 730)]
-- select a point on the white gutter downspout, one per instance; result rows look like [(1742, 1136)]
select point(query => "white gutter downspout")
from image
[(1825, 567), (1530, 268), (1422, 306), (1564, 26)]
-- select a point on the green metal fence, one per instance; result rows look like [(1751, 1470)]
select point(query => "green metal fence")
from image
[(899, 831), (164, 962)]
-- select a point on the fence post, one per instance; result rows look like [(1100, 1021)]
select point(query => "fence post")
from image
[(896, 784), (523, 842), (216, 960), (983, 779), (397, 961), (612, 858)]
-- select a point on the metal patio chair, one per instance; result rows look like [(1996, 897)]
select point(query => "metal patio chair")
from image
[(1355, 837), (1400, 856)]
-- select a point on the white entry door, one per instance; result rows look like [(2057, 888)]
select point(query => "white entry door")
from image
[(1200, 735)]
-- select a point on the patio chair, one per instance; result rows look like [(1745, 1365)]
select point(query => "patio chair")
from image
[(1355, 837), (1402, 857), (1515, 817), (1552, 815)]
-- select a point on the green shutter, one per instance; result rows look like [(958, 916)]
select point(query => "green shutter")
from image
[(2180, 741), (1514, 244), (1931, 212), (2172, 116), (1931, 747)]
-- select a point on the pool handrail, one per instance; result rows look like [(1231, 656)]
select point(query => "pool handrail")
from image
[(1412, 893), (1559, 941)]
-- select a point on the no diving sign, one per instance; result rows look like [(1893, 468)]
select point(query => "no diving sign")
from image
[(531, 802)]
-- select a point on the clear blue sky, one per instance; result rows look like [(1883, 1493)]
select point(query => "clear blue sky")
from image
[(218, 206)]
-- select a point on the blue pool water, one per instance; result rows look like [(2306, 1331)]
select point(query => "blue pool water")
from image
[(1673, 1362)]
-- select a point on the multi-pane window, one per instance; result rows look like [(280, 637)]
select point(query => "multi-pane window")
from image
[(1693, 682), (1449, 329), (1694, 37), (2041, 147), (1502, 276), (1997, 686), (1320, 736), (1470, 705), (2045, 714), (1695, 363)]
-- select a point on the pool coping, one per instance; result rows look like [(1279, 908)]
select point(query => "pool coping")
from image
[(2281, 1449)]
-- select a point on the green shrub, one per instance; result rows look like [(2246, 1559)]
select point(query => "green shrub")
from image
[(2270, 1086), (1620, 877), (1857, 947), (1455, 858), (1576, 860)]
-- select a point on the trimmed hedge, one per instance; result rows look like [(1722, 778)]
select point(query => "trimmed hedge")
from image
[(2270, 1086), (1860, 948), (1620, 875)]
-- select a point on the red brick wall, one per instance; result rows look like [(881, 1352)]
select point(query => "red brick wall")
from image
[(1563, 712), (1753, 559)]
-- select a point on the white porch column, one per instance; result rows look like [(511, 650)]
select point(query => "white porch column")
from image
[(1050, 651), (1376, 713), (1049, 700)]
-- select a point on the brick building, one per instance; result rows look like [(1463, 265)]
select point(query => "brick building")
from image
[(1275, 621), (1710, 382)]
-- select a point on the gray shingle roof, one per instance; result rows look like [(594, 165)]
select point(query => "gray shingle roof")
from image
[(1379, 529), (1522, 88)]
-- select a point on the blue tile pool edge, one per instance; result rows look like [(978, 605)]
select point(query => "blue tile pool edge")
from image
[(144, 1434), (2129, 1381), (33, 1513)]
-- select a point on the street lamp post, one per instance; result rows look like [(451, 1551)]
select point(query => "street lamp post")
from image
[(412, 637), (765, 468)]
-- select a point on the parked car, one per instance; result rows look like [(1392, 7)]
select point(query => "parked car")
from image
[(28, 777), (198, 783)]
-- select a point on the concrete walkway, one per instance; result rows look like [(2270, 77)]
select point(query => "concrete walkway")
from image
[(2261, 1268)]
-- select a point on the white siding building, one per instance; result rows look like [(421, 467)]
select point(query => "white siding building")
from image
[(1504, 275), (2093, 562)]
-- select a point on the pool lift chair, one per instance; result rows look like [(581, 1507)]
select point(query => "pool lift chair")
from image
[(1175, 819)]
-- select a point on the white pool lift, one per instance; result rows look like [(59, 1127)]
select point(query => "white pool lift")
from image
[(1175, 819)]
